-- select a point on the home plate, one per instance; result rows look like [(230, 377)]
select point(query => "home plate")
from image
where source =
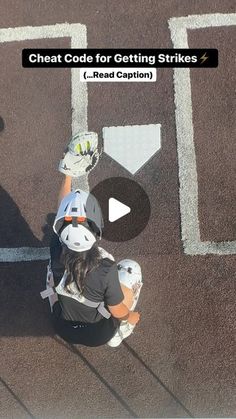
[(132, 146)]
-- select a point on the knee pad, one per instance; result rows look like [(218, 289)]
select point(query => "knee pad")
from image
[(129, 273)]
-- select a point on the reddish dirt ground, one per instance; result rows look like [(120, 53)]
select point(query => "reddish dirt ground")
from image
[(180, 362)]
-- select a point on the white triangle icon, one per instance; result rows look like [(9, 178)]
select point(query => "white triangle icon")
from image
[(116, 210)]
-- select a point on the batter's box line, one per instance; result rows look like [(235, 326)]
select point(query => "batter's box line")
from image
[(24, 254), (188, 191), (79, 103)]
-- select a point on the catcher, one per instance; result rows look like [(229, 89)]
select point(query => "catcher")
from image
[(91, 297)]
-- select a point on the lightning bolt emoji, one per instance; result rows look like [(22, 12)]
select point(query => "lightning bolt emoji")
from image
[(204, 58)]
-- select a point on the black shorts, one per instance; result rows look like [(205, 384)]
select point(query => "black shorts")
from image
[(88, 334)]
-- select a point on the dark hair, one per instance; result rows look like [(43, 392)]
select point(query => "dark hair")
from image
[(79, 264)]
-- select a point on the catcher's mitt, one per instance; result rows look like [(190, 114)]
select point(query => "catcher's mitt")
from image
[(81, 155)]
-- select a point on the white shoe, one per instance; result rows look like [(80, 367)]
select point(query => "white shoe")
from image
[(125, 329)]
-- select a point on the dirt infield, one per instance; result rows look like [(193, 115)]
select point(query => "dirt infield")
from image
[(180, 362)]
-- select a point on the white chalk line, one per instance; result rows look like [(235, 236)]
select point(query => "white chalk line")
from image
[(79, 104), (24, 254), (188, 191)]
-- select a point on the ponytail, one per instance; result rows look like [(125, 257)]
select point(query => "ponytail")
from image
[(78, 265)]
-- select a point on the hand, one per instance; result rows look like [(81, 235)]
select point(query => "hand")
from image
[(134, 317)]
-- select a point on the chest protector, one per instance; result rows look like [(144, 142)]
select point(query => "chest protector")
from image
[(51, 292)]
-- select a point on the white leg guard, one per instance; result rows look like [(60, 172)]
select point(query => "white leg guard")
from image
[(130, 276), (136, 295), (132, 279)]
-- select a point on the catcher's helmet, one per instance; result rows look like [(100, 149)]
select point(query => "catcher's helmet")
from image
[(78, 221), (77, 238)]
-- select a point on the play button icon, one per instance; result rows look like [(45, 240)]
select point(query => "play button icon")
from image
[(117, 210), (125, 208)]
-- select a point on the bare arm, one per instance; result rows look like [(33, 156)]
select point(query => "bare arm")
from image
[(65, 188), (121, 312)]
